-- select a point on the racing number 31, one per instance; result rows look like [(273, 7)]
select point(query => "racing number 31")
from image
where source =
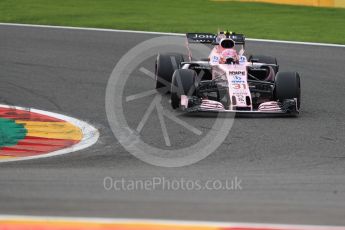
[(239, 86)]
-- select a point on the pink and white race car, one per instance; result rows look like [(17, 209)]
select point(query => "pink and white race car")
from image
[(227, 81)]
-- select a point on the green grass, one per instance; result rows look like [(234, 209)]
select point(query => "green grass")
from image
[(254, 19)]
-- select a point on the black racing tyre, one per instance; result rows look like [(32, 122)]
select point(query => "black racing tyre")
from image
[(165, 66), (265, 59), (183, 83), (288, 86)]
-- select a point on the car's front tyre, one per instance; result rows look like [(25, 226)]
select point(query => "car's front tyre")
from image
[(183, 83), (288, 86), (165, 66)]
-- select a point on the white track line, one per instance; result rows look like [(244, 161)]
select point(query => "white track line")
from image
[(166, 222), (90, 134), (168, 34)]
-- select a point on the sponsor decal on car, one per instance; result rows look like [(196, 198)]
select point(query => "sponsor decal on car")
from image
[(203, 36), (237, 79), (237, 72), (240, 98), (242, 60), (215, 59)]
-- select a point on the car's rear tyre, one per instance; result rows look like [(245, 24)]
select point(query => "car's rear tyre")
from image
[(183, 83), (165, 66), (265, 59), (288, 86)]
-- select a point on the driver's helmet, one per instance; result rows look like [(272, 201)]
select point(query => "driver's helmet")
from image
[(227, 51), (227, 43)]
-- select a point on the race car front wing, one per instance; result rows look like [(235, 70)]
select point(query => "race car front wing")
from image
[(190, 105)]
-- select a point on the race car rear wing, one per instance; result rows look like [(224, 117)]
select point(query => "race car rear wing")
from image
[(239, 39), (201, 37)]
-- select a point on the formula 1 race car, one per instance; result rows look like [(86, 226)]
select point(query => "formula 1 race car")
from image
[(226, 80)]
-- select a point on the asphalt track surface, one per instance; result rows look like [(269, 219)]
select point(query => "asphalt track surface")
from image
[(292, 169)]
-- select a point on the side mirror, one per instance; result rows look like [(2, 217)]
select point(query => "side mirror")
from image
[(254, 60)]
